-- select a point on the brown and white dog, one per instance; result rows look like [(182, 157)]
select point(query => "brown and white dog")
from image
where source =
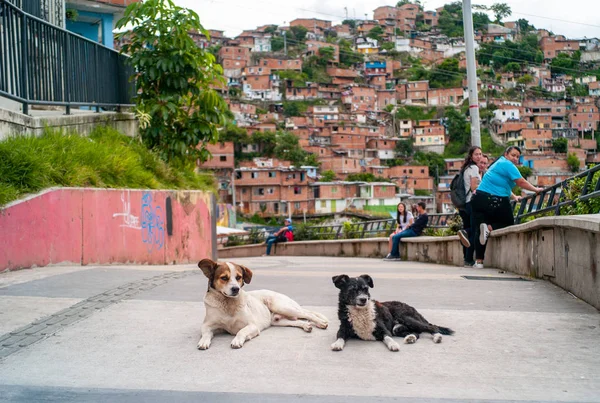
[(245, 314)]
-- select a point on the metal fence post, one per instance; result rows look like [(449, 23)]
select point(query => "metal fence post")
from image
[(97, 83), (66, 75), (24, 67)]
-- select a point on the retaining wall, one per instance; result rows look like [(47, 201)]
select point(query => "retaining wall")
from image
[(101, 226), (562, 250)]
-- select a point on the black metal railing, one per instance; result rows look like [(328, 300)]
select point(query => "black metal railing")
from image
[(552, 199), (348, 230), (41, 64)]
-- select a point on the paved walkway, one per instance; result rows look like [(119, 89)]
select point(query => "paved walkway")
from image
[(129, 333)]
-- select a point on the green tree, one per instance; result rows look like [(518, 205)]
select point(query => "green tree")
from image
[(350, 23), (271, 29), (277, 43), (500, 11), (405, 148), (328, 176), (573, 162), (560, 145), (298, 33), (173, 80), (326, 55), (526, 79), (512, 67), (446, 75), (376, 33), (563, 64), (524, 26), (525, 171)]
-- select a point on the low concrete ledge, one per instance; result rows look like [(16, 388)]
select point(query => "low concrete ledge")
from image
[(562, 250), (445, 250), (15, 123)]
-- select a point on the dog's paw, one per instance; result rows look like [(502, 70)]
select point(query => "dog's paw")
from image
[(338, 345), (393, 346), (322, 324), (203, 344), (410, 339), (237, 343), (307, 327), (437, 338)]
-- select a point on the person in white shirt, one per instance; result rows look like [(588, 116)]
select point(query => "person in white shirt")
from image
[(472, 177), (404, 219)]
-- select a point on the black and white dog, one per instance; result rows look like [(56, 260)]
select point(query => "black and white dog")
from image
[(367, 319)]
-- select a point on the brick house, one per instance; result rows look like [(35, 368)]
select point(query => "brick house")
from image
[(234, 53), (311, 24), (584, 118), (281, 64), (223, 163), (552, 46), (275, 190), (385, 98), (446, 96), (537, 141), (361, 99), (342, 77)]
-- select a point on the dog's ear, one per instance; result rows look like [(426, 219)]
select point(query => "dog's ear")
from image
[(208, 267), (247, 276), (368, 279), (340, 280)]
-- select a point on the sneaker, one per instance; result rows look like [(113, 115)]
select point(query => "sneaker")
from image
[(478, 265), (484, 233), (390, 258), (468, 264), (464, 238)]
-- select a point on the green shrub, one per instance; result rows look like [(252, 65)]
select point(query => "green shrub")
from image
[(106, 159)]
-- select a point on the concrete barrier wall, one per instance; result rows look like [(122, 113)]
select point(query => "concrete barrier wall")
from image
[(101, 226), (562, 250), (15, 123)]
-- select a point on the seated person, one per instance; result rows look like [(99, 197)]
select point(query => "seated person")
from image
[(413, 230), (284, 234)]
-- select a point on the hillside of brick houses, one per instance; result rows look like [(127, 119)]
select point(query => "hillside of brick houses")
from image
[(375, 96)]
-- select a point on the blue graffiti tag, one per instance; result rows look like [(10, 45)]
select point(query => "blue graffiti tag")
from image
[(153, 226)]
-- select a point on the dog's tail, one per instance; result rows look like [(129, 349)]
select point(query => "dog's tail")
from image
[(445, 330)]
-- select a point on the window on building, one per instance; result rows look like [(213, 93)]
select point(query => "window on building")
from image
[(238, 175), (334, 189), (297, 206), (297, 190), (323, 204), (223, 158), (272, 174), (260, 191), (384, 188), (254, 175), (422, 171), (243, 191), (410, 171), (262, 206)]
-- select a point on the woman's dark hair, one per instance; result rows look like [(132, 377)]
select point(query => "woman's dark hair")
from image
[(398, 215), (469, 158), (510, 148)]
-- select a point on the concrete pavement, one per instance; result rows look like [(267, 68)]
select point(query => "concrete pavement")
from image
[(129, 333)]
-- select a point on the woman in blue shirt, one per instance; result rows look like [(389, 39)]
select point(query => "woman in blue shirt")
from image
[(491, 201)]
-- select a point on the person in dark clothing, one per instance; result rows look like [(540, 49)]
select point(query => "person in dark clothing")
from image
[(414, 230)]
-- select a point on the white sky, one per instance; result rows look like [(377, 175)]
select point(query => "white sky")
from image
[(233, 16)]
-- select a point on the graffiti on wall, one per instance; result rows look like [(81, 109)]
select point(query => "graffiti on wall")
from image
[(129, 220), (153, 225), (225, 216)]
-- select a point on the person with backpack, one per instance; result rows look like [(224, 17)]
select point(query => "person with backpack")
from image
[(461, 191), (285, 234), (491, 201)]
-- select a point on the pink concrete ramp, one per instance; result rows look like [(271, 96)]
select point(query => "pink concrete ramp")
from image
[(103, 226)]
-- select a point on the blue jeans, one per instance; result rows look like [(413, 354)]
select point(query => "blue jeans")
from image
[(407, 233), (270, 241)]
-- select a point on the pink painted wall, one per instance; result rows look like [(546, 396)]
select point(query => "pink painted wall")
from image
[(101, 226)]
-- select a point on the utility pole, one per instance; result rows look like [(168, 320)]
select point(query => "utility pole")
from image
[(233, 194), (346, 8), (284, 43), (471, 74)]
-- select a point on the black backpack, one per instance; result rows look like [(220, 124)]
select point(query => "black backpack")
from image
[(458, 195)]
